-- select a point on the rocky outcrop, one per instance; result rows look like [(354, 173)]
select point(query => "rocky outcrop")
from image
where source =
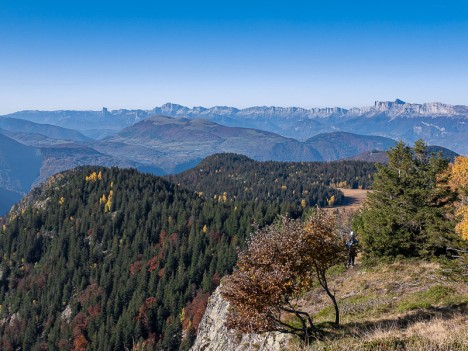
[(391, 108), (214, 336), (399, 107)]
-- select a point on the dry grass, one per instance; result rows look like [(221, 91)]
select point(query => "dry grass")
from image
[(437, 334), (408, 305), (374, 289), (353, 198)]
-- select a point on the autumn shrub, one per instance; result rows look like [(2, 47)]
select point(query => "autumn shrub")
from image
[(280, 264)]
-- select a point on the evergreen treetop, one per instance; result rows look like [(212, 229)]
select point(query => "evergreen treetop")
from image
[(407, 213)]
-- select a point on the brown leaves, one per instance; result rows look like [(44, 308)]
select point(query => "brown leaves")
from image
[(193, 312), (277, 267), (80, 324), (91, 294), (142, 316)]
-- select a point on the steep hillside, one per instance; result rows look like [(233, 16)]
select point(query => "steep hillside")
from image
[(19, 167), (110, 259), (23, 128), (339, 145), (407, 305)]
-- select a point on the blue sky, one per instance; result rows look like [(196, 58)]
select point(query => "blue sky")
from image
[(140, 54)]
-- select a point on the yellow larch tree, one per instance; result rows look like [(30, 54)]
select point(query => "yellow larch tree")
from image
[(458, 173)]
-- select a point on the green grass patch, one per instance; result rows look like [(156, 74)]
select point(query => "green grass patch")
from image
[(325, 314), (336, 270), (355, 306), (434, 296)]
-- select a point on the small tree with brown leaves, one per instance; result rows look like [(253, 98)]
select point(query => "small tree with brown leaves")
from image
[(324, 236), (278, 266)]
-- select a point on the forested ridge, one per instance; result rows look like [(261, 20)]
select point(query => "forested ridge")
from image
[(112, 259), (105, 259), (234, 176)]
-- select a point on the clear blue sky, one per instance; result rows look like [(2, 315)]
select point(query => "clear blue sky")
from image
[(138, 54)]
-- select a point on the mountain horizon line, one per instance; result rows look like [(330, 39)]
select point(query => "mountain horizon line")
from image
[(379, 105)]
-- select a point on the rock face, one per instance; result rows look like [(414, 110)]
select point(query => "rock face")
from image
[(214, 336), (390, 108), (398, 107)]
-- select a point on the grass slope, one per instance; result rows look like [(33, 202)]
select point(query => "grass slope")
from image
[(407, 305)]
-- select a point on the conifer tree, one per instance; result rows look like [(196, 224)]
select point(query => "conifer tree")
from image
[(406, 213)]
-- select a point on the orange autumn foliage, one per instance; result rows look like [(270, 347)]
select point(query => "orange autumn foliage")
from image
[(193, 312), (80, 343), (458, 180)]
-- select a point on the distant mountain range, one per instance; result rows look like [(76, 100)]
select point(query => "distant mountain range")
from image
[(37, 144), (162, 144), (171, 143), (436, 123), (175, 144), (33, 133)]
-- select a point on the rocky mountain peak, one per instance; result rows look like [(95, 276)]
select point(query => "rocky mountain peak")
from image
[(388, 105), (105, 111), (399, 107), (171, 109)]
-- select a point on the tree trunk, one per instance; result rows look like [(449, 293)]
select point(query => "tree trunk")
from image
[(335, 304), (308, 330), (323, 282)]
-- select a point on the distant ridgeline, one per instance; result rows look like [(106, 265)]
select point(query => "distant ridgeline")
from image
[(112, 259)]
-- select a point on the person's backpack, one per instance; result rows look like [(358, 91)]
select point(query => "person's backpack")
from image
[(352, 242)]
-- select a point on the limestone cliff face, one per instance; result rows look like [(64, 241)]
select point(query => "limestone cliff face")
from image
[(214, 336), (399, 107)]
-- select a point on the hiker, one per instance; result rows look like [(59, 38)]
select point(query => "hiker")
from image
[(351, 244)]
